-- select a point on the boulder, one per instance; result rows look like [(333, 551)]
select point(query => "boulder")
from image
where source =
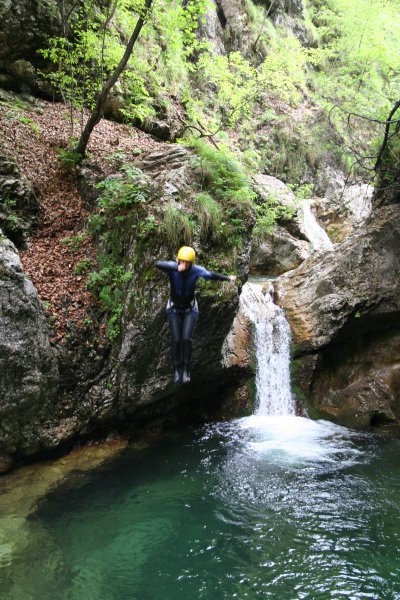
[(226, 27), (26, 26), (344, 209), (277, 253), (28, 366), (344, 310), (292, 240), (143, 378), (18, 203), (137, 382)]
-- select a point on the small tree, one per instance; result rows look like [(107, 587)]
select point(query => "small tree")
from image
[(98, 111), (387, 165)]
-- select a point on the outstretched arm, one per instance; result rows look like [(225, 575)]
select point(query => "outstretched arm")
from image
[(220, 277), (167, 265), (216, 276)]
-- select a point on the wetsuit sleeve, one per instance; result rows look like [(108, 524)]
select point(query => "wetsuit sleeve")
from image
[(219, 276), (167, 265), (206, 274)]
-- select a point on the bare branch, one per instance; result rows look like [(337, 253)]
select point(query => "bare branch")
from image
[(387, 136)]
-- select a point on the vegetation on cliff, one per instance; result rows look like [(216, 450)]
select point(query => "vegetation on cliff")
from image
[(267, 95), (288, 102)]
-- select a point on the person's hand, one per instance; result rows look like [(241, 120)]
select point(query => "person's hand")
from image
[(232, 277), (184, 265)]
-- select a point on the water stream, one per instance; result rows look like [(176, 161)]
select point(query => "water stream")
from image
[(318, 237), (267, 506), (272, 348)]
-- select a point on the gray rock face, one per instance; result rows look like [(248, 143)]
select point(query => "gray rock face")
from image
[(226, 26), (344, 310), (144, 374), (138, 384), (291, 7), (28, 367), (18, 202), (277, 253), (344, 209), (292, 240), (25, 27), (228, 23)]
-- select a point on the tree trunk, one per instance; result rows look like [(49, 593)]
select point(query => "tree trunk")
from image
[(98, 111)]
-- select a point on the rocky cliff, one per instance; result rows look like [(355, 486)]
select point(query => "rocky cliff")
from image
[(56, 392), (342, 304), (343, 308), (28, 365)]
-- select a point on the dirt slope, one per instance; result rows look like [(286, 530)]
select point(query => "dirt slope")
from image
[(31, 135)]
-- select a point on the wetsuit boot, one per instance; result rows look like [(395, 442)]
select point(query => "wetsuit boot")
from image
[(177, 375), (185, 374)]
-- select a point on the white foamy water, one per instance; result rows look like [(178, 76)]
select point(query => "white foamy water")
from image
[(289, 439), (272, 344), (274, 432), (313, 230)]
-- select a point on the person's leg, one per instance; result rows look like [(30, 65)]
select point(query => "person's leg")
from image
[(175, 324), (189, 323)]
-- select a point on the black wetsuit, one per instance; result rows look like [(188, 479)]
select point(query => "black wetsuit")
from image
[(182, 309)]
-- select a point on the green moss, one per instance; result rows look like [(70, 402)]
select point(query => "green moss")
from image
[(120, 216)]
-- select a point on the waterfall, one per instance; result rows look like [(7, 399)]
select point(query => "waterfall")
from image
[(317, 236), (272, 340)]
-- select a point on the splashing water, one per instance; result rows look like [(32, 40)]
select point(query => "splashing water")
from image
[(272, 340), (268, 506)]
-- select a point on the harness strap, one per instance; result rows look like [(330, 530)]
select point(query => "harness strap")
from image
[(187, 309)]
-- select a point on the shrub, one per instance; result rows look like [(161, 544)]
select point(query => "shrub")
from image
[(177, 227), (209, 214)]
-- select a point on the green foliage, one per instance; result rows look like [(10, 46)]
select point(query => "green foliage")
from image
[(72, 79), (25, 120), (352, 64), (123, 191), (83, 266), (75, 242), (252, 160), (227, 196), (147, 227), (356, 66), (209, 214), (177, 227), (17, 110), (12, 221), (68, 157), (235, 82), (108, 284), (389, 161), (120, 208), (268, 213), (222, 175), (162, 59), (302, 191), (283, 70), (190, 14)]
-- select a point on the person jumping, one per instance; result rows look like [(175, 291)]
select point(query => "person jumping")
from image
[(182, 308)]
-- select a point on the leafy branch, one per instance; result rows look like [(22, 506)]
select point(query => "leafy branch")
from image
[(98, 111)]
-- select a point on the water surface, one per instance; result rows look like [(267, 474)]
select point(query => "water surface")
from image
[(263, 507)]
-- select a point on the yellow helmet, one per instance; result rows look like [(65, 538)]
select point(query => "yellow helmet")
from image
[(187, 253)]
